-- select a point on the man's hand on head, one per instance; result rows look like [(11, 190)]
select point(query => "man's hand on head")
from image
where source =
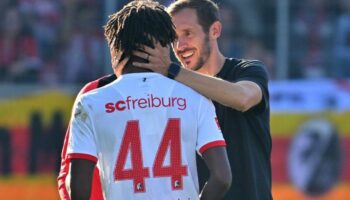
[(158, 58)]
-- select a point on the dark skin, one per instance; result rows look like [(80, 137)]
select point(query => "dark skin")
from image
[(81, 178), (220, 174), (216, 159)]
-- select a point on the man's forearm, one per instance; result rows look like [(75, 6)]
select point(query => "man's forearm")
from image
[(238, 96)]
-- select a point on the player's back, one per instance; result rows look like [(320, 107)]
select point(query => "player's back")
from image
[(146, 131)]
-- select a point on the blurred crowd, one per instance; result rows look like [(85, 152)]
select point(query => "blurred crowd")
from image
[(61, 41), (51, 41)]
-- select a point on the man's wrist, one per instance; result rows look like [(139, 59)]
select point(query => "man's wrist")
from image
[(173, 70)]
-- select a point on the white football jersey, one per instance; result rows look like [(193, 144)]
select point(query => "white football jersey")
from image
[(143, 130)]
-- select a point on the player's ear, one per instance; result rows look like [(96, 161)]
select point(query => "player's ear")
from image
[(215, 30)]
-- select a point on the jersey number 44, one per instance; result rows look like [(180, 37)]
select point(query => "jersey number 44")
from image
[(131, 142)]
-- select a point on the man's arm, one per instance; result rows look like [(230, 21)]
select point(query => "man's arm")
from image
[(241, 95), (220, 174), (81, 179)]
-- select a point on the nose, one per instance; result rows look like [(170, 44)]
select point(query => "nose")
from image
[(180, 44)]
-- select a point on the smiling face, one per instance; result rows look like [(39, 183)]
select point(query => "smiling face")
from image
[(192, 45)]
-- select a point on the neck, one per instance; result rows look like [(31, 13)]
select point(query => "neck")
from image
[(130, 68), (214, 63), (133, 69)]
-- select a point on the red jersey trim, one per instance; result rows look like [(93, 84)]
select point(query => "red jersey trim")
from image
[(72, 156), (211, 145), (93, 85)]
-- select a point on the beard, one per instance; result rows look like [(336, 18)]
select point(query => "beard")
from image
[(203, 57), (205, 50)]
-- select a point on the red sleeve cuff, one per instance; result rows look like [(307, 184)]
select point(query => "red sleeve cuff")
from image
[(82, 156), (211, 145)]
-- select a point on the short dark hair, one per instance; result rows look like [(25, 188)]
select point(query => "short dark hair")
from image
[(207, 11), (139, 22)]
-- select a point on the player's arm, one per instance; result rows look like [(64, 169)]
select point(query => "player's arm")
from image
[(65, 162), (220, 174), (81, 178), (81, 150), (241, 95), (212, 147)]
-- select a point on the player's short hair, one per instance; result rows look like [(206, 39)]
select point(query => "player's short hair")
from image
[(207, 11), (139, 22)]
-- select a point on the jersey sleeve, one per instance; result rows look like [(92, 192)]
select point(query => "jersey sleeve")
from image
[(255, 71), (81, 143), (63, 189), (209, 132)]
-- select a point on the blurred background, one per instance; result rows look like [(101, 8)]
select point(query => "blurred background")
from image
[(50, 48)]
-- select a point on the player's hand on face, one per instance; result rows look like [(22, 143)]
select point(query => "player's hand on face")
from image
[(158, 58), (117, 64)]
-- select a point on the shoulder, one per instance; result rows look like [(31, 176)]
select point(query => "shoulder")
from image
[(181, 90), (250, 67), (89, 91), (194, 99), (246, 63), (184, 89), (97, 83), (234, 69)]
